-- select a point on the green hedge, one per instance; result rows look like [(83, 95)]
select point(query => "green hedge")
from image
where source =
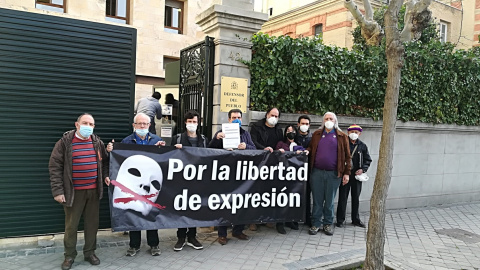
[(439, 84)]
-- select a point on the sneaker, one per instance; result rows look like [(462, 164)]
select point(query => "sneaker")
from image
[(328, 229), (132, 251), (155, 251), (179, 245), (193, 242), (313, 230), (253, 227)]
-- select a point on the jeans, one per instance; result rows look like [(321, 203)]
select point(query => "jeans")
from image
[(324, 186), (136, 238)]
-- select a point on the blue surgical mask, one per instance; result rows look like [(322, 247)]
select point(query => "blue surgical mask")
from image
[(86, 131), (237, 121), (141, 132)]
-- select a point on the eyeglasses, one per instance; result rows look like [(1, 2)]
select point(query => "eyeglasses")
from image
[(142, 124)]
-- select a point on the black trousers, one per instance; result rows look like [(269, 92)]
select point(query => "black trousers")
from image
[(183, 233), (136, 238), (152, 128), (355, 187)]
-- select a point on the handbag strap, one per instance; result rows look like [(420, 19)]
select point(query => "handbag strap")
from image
[(354, 149)]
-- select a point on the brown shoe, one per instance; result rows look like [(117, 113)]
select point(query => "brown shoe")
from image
[(270, 225), (93, 259), (241, 236), (67, 263), (222, 240), (252, 227)]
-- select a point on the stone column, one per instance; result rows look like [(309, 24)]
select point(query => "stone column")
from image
[(231, 23)]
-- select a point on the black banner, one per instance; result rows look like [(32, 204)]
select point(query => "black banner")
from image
[(155, 188)]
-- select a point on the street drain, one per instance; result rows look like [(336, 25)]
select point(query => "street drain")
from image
[(460, 234)]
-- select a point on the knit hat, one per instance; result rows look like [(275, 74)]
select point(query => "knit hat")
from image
[(355, 127)]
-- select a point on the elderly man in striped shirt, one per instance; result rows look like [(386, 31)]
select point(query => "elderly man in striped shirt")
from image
[(78, 166)]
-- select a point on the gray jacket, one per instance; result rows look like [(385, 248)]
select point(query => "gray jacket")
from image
[(150, 107)]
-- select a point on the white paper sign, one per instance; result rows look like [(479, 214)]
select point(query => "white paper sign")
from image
[(165, 132), (232, 135)]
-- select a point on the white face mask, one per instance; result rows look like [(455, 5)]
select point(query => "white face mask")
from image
[(272, 121), (304, 128), (329, 124), (353, 136), (191, 127)]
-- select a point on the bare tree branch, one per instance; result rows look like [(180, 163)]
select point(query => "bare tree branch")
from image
[(370, 29), (368, 10), (417, 18)]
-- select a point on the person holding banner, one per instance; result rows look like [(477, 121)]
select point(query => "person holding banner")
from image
[(288, 144), (265, 135), (303, 138), (77, 166), (234, 116), (191, 138), (329, 162), (141, 135)]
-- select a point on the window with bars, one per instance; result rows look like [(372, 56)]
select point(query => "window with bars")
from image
[(319, 30), (443, 32), (174, 17), (51, 5), (117, 11)]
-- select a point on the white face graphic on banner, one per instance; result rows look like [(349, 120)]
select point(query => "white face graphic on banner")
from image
[(141, 175)]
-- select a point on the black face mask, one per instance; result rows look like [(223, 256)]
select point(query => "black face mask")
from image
[(291, 135)]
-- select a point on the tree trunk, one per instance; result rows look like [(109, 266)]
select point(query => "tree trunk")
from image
[(395, 57)]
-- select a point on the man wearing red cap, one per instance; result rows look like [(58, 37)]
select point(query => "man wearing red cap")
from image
[(360, 162)]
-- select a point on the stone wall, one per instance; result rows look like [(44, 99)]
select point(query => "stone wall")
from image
[(433, 164)]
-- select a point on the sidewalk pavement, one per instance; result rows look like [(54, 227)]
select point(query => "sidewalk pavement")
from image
[(442, 237)]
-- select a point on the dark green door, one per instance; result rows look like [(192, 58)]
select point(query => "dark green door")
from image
[(52, 69)]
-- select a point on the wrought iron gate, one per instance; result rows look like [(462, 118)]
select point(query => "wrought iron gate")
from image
[(196, 83)]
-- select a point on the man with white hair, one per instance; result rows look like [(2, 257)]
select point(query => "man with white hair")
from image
[(329, 162), (141, 135)]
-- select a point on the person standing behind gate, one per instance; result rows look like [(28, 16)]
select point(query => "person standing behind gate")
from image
[(192, 138), (360, 162), (234, 116), (141, 136), (329, 162), (303, 138), (78, 164), (151, 107)]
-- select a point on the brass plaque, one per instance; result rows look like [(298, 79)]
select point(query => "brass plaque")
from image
[(233, 94)]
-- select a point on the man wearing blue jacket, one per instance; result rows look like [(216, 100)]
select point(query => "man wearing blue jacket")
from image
[(234, 116), (141, 135)]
